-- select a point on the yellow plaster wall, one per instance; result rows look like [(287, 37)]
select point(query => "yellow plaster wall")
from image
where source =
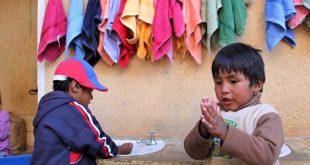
[(17, 59), (147, 95), (165, 96)]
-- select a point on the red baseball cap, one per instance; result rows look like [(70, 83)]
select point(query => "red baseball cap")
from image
[(80, 71)]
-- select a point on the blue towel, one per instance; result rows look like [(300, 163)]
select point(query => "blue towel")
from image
[(74, 28), (90, 35), (112, 42), (277, 13)]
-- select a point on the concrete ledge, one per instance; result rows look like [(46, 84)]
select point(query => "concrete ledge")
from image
[(300, 155), (174, 154)]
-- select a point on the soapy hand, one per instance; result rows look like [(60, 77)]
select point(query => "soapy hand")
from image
[(212, 119), (125, 149)]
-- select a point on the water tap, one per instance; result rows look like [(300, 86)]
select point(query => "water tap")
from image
[(151, 140)]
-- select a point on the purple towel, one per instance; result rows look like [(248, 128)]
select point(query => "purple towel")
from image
[(112, 42)]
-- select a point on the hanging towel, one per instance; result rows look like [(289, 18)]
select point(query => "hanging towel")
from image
[(53, 34), (277, 12), (74, 26), (128, 19), (127, 50), (147, 11), (179, 46), (301, 13), (162, 29), (144, 23), (144, 50), (89, 36), (102, 27), (203, 25), (105, 5), (177, 17), (104, 55), (232, 20), (112, 42), (209, 13), (306, 3), (193, 31)]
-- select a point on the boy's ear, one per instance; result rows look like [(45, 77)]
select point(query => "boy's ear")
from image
[(74, 86), (258, 87)]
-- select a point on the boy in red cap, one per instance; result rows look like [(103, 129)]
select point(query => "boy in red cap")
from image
[(65, 130)]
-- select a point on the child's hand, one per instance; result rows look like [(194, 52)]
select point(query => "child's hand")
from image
[(212, 119), (125, 149)]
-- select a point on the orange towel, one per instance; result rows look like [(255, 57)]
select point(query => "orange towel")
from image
[(193, 31), (145, 41), (145, 19), (179, 46)]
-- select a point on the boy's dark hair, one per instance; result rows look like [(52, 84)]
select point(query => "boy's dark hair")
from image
[(62, 85), (240, 58)]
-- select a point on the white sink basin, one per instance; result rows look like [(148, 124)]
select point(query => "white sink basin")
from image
[(140, 148), (285, 150)]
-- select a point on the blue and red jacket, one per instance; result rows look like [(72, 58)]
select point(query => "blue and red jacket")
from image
[(67, 133)]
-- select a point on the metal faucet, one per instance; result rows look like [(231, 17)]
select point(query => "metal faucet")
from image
[(151, 140)]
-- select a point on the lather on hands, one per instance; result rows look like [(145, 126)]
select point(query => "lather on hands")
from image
[(211, 118)]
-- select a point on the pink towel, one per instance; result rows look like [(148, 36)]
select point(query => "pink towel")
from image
[(177, 17), (301, 13), (162, 29), (54, 28)]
